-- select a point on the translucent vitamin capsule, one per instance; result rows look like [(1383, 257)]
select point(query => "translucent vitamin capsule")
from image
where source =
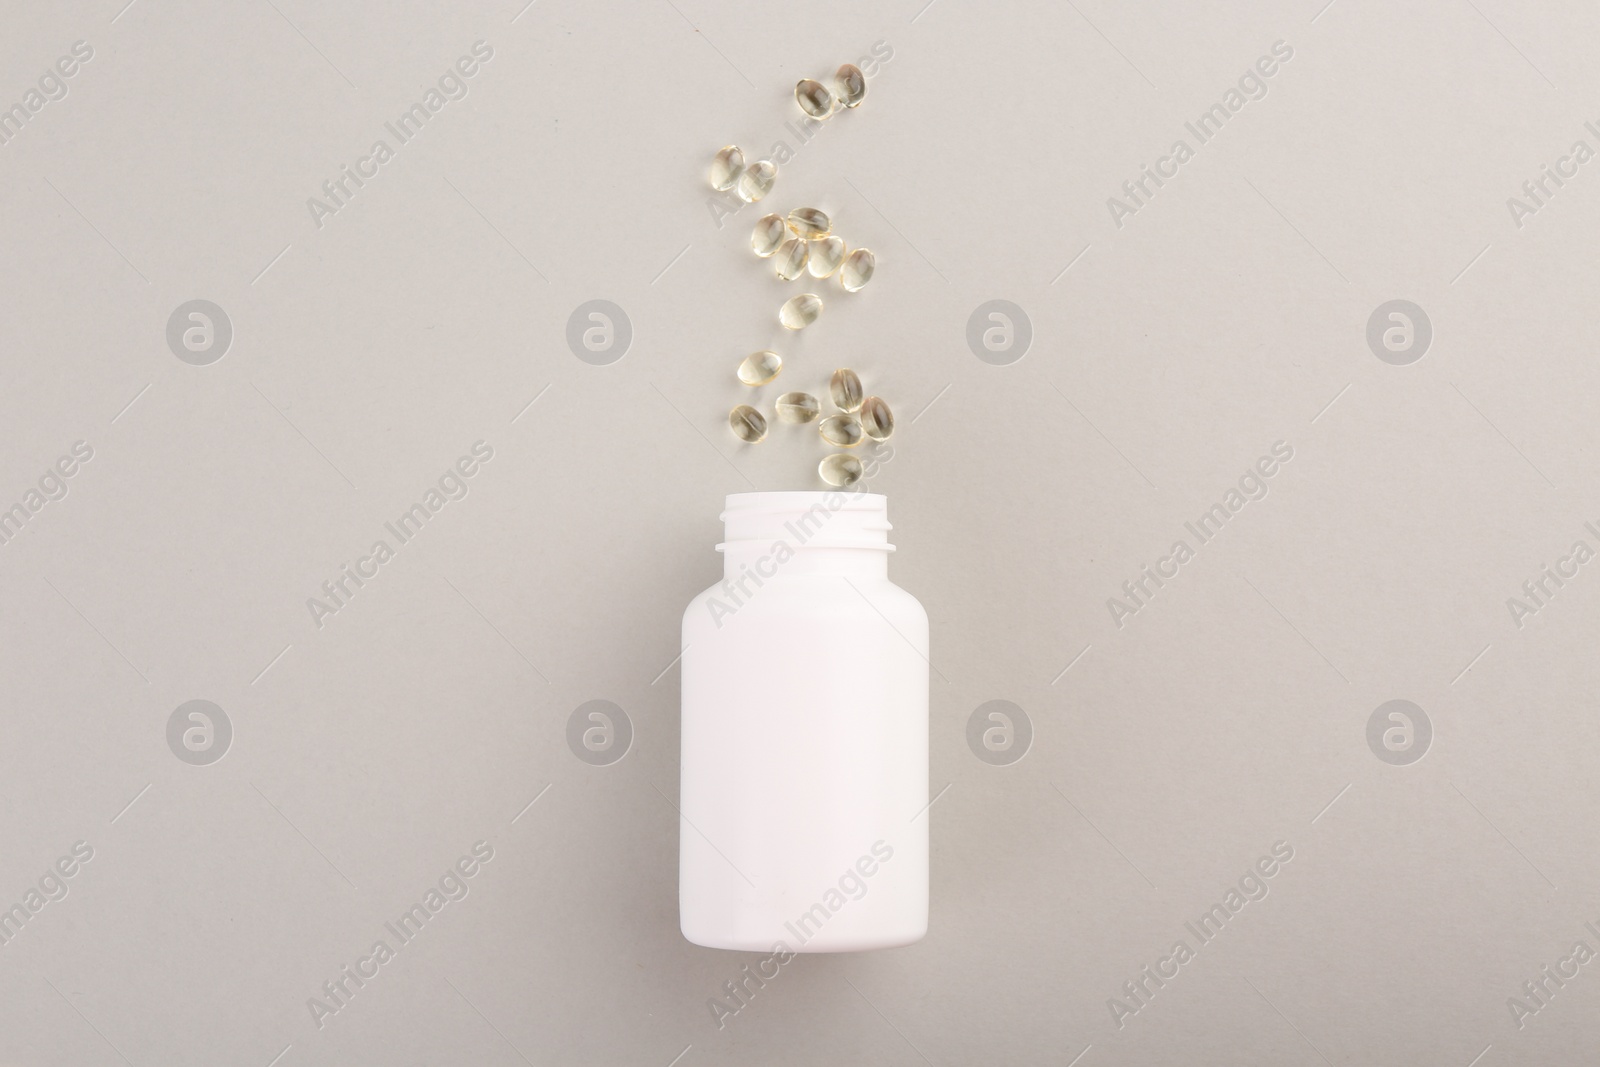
[(826, 255), (857, 269), (798, 407), (748, 424), (877, 421), (813, 98), (845, 390), (791, 259), (801, 311), (757, 179), (726, 166), (842, 431), (849, 85), (759, 368), (809, 222), (840, 469), (768, 235)]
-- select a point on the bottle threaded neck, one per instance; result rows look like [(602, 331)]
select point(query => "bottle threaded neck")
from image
[(833, 519)]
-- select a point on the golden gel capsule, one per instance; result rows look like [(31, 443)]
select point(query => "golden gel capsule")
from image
[(877, 421), (759, 368), (809, 222), (826, 255), (840, 469), (726, 166), (849, 85), (856, 271), (748, 424), (791, 259), (768, 235), (798, 407), (801, 311), (841, 431), (814, 98), (845, 390), (756, 181)]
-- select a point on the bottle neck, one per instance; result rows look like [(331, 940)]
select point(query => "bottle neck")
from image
[(810, 533), (783, 559)]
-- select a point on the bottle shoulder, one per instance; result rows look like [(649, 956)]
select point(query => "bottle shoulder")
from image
[(829, 594), (891, 593)]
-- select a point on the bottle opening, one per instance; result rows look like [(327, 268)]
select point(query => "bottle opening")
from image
[(826, 519)]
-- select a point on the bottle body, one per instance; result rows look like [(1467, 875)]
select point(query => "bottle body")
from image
[(805, 735)]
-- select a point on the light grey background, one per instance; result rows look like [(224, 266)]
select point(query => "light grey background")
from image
[(1168, 354)]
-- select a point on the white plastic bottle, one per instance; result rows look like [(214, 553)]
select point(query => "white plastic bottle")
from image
[(805, 735)]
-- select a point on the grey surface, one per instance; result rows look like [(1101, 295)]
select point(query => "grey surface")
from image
[(1167, 354)]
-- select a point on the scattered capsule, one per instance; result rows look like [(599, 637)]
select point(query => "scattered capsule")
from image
[(791, 259), (826, 255), (798, 407), (801, 311), (840, 469), (857, 269), (849, 85), (842, 431), (768, 235), (877, 421), (809, 222), (748, 424), (726, 166), (845, 390), (756, 181), (759, 368), (814, 98)]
